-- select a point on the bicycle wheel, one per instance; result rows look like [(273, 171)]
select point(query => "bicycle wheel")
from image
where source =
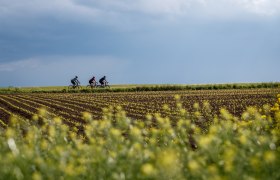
[(70, 87), (107, 85), (92, 86), (78, 87)]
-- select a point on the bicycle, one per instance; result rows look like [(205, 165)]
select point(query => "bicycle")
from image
[(92, 85), (72, 87), (106, 85)]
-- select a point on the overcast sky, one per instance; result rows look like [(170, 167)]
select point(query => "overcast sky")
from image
[(46, 43)]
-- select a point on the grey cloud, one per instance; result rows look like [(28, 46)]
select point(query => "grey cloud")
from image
[(188, 7), (110, 11), (17, 65), (59, 9)]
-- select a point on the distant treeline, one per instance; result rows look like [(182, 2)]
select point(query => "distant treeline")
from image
[(144, 88)]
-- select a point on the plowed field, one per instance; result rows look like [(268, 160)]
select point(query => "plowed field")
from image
[(137, 105)]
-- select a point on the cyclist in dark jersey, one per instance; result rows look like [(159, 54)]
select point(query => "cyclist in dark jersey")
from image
[(92, 81), (103, 81), (75, 81)]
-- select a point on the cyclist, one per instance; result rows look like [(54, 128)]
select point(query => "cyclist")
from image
[(75, 81), (92, 81), (103, 81)]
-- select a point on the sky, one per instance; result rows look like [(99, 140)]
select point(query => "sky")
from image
[(47, 43)]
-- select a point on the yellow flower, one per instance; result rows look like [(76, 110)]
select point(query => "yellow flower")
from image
[(136, 132), (149, 154), (137, 146), (225, 114), (10, 133), (149, 117), (196, 106), (229, 155), (205, 141), (87, 116), (212, 169), (44, 144), (36, 176), (39, 161), (183, 112), (70, 170), (166, 160), (165, 107), (115, 132), (193, 166), (228, 166), (243, 139), (57, 120), (243, 124), (177, 97), (113, 154), (262, 139), (269, 156), (148, 169), (197, 114), (35, 117), (42, 112), (119, 108), (152, 141), (179, 105), (213, 130), (52, 131)]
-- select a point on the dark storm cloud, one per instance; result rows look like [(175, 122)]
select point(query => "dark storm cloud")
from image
[(147, 41)]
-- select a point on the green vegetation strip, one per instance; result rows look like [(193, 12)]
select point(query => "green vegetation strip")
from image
[(135, 88)]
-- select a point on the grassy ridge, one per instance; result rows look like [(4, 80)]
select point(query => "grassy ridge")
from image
[(141, 87)]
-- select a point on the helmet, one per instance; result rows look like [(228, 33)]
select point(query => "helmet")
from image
[(76, 76)]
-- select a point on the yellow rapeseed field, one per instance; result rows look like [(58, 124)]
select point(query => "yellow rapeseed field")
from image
[(193, 146)]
